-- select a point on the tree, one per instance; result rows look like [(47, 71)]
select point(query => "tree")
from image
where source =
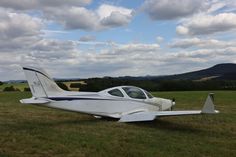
[(26, 89), (62, 86), (75, 85), (1, 83), (10, 89)]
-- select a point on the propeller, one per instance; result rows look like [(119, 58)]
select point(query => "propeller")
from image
[(173, 99), (173, 103)]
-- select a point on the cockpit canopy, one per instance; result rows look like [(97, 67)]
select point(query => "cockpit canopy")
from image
[(130, 91), (116, 92), (134, 92)]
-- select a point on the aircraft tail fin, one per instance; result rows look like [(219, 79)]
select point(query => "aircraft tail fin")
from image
[(209, 106), (40, 83)]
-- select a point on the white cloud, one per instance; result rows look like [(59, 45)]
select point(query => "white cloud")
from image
[(113, 60), (73, 14), (41, 4), (182, 30), (202, 24), (105, 10), (74, 17), (116, 19), (87, 38), (13, 25), (111, 16), (215, 5), (138, 47), (171, 9), (106, 16), (200, 43), (52, 45), (159, 39), (18, 30)]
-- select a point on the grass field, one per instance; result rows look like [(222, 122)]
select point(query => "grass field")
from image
[(33, 131)]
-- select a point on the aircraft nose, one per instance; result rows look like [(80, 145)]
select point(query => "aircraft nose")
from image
[(155, 101), (173, 101)]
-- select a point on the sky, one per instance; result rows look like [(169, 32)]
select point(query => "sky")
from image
[(92, 38)]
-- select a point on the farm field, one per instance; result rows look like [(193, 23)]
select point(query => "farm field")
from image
[(70, 82), (33, 131)]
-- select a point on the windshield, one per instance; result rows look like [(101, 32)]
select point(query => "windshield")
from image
[(134, 92), (148, 94)]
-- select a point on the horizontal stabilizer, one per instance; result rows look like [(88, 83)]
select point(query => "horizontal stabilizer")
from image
[(34, 101)]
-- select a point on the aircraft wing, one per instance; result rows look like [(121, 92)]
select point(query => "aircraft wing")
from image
[(208, 108)]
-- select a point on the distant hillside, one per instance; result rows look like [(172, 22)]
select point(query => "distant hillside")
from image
[(218, 77), (225, 71)]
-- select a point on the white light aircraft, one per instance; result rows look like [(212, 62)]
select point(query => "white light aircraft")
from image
[(125, 103)]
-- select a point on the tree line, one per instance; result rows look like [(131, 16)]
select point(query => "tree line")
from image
[(98, 84), (27, 89)]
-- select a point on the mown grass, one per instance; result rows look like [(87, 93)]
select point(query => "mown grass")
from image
[(33, 131)]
